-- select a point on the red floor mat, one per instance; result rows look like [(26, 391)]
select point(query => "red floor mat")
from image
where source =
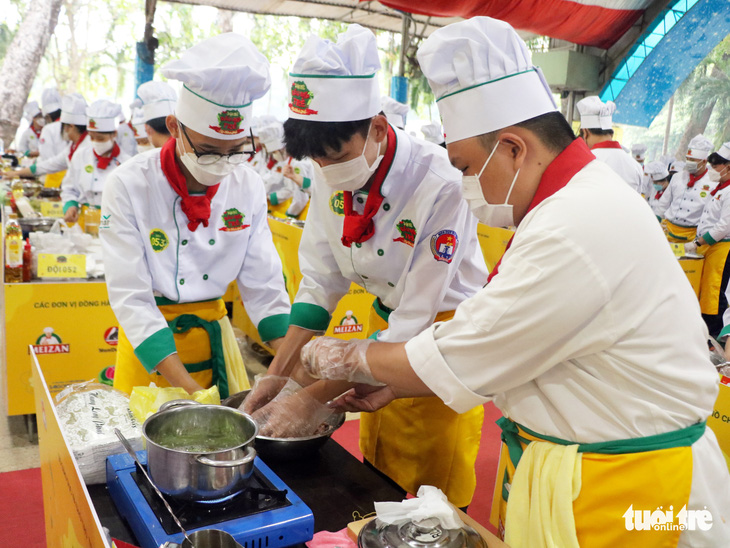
[(22, 523)]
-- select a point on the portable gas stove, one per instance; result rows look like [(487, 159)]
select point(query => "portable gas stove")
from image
[(267, 514)]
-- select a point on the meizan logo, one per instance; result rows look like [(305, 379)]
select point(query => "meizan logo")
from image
[(665, 520)]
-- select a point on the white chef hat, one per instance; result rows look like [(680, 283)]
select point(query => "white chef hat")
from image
[(103, 115), (666, 159), (676, 165), (725, 151), (262, 121), (433, 133), (51, 100), (73, 109), (221, 78), (656, 170), (482, 75), (137, 103), (336, 82), (138, 124), (31, 110), (699, 147), (272, 136), (595, 114), (394, 110), (638, 151), (158, 99)]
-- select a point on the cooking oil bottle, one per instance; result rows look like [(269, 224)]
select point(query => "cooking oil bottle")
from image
[(13, 250)]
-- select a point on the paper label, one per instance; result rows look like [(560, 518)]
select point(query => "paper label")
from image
[(52, 265), (678, 249), (52, 209)]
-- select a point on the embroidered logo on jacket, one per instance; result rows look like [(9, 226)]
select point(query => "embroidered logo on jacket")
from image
[(443, 245), (229, 122), (89, 168), (158, 240), (301, 98), (337, 203), (407, 232), (233, 220)]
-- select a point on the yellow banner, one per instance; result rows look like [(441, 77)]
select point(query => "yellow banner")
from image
[(493, 242), (71, 520), (719, 421), (52, 265), (52, 209)]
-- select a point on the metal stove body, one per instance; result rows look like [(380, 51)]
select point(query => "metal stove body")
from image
[(268, 515)]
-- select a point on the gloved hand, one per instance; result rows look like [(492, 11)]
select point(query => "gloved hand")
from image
[(265, 389), (293, 413), (335, 359), (690, 248), (363, 398)]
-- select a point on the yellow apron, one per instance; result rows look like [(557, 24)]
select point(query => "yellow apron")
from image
[(279, 210), (421, 441), (53, 180), (193, 344), (679, 234), (711, 284), (607, 479)]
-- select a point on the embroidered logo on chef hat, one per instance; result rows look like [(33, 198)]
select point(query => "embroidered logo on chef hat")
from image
[(221, 77), (336, 82), (443, 245)]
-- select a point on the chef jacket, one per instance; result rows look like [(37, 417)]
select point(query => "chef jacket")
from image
[(714, 225), (682, 205), (258, 162), (623, 164), (149, 252), (28, 141), (424, 257), (654, 201), (61, 161), (84, 181), (280, 188), (51, 142), (126, 140)]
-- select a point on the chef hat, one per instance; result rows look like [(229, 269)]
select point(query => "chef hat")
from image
[(394, 110), (138, 121), (73, 110), (595, 114), (724, 151), (51, 100), (432, 132), (336, 82), (657, 170), (272, 136), (158, 100), (137, 103), (103, 115), (31, 110), (221, 77), (676, 165), (638, 151), (666, 159), (699, 147), (482, 75)]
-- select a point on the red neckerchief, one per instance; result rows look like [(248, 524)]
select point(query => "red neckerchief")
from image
[(560, 171), (720, 187), (607, 144), (37, 133), (197, 208), (250, 158), (659, 194), (75, 145), (102, 162), (358, 228), (696, 177), (271, 163)]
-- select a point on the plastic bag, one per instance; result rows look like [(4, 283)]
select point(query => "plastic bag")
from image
[(146, 400)]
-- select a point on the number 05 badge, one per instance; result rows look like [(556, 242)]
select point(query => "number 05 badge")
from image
[(443, 245)]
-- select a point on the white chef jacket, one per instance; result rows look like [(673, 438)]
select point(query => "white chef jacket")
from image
[(149, 251), (280, 188), (682, 205), (714, 224), (623, 164), (84, 181), (51, 142), (577, 337), (28, 141), (647, 185), (59, 162), (654, 202), (421, 188), (126, 140), (258, 162)]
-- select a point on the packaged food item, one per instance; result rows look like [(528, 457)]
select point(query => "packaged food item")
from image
[(146, 400), (13, 251)]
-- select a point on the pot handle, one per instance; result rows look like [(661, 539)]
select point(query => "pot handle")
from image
[(177, 403), (248, 457)]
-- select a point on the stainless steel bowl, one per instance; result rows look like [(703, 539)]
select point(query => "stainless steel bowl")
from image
[(36, 224), (289, 448)]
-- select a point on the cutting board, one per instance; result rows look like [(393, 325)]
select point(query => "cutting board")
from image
[(353, 530)]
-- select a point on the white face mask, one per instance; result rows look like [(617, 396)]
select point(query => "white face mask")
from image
[(350, 175), (209, 175), (145, 148), (692, 166), (102, 147), (40, 122), (495, 215), (714, 175)]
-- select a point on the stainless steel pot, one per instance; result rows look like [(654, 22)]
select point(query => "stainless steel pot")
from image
[(289, 448), (425, 533), (206, 538), (199, 452)]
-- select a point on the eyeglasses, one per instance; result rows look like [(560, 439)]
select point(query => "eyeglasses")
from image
[(208, 158)]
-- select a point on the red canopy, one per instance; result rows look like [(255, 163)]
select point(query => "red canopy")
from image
[(597, 23)]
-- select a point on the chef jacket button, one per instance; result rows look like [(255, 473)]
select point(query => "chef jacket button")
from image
[(364, 277), (205, 276), (184, 242), (391, 284), (182, 281), (381, 252), (211, 241), (386, 207), (358, 245), (359, 200)]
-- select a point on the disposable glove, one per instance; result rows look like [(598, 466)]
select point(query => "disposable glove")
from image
[(690, 248), (335, 359), (265, 389)]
